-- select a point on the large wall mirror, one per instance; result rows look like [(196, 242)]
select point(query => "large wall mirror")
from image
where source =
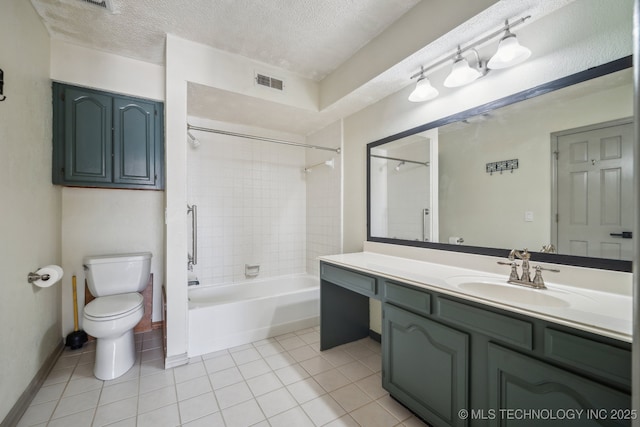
[(549, 169)]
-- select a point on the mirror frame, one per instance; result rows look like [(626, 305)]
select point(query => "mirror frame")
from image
[(578, 261)]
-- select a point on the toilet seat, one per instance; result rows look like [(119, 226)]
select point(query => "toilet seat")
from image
[(113, 306)]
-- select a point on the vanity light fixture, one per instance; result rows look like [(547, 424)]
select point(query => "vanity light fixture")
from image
[(461, 73), (423, 91), (509, 53)]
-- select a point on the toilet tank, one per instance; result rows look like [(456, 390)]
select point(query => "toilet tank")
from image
[(118, 273)]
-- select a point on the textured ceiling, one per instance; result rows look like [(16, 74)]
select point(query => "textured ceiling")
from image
[(205, 102), (307, 37)]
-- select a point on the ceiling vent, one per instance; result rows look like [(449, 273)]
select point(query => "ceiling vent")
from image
[(271, 82), (105, 4)]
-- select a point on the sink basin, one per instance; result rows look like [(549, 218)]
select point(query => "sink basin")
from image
[(506, 292)]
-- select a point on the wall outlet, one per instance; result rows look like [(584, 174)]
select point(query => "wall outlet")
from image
[(528, 216)]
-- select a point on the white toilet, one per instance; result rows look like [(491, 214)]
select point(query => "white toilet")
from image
[(115, 281)]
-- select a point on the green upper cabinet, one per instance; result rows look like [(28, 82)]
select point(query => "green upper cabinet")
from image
[(133, 142), (102, 139), (87, 127)]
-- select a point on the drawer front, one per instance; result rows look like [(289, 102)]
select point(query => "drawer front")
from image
[(357, 282), (503, 328), (403, 296), (601, 359)]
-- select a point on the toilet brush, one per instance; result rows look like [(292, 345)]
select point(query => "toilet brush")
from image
[(76, 338)]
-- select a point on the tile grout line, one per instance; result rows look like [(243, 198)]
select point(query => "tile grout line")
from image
[(357, 352)]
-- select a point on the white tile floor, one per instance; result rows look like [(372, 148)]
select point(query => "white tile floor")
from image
[(282, 381)]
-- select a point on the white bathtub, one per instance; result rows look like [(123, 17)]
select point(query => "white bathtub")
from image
[(223, 316)]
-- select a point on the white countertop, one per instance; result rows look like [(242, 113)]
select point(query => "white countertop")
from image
[(603, 313)]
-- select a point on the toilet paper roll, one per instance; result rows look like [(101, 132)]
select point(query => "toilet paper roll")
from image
[(54, 272), (455, 240)]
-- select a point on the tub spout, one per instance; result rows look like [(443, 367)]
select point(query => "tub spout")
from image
[(192, 279)]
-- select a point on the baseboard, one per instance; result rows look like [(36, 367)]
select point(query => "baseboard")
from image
[(20, 407), (375, 336), (173, 361)]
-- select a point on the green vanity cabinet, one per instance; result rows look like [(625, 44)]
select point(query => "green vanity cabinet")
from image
[(542, 393), (102, 139), (456, 362), (344, 304), (425, 366)]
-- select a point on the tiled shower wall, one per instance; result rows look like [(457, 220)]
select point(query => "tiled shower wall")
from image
[(324, 195), (257, 206), (251, 198)]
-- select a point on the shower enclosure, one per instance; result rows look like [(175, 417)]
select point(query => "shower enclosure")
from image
[(252, 193)]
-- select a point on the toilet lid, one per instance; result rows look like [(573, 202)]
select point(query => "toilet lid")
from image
[(113, 305)]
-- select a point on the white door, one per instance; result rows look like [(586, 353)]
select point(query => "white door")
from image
[(595, 191)]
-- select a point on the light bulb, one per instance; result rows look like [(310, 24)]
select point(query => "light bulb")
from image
[(461, 73), (509, 53), (423, 91)]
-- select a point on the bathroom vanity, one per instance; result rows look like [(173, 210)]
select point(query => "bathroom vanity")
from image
[(462, 347)]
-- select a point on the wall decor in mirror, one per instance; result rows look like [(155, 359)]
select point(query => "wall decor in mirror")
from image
[(560, 184)]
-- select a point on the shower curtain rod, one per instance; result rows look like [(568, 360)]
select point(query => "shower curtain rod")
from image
[(400, 160), (260, 138)]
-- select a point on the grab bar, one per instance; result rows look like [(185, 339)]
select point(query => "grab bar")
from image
[(193, 257), (425, 225)]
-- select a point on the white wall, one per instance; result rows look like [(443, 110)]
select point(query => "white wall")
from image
[(30, 207), (324, 197), (562, 45), (96, 221), (101, 70), (251, 198), (192, 62)]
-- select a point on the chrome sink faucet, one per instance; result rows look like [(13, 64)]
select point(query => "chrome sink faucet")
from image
[(525, 278)]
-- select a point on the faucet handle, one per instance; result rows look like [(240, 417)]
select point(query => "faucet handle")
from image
[(538, 282), (514, 270)]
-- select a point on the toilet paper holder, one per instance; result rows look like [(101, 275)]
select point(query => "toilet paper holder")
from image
[(45, 276), (32, 277)]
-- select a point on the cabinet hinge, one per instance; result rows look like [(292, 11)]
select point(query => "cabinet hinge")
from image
[(62, 96), (155, 178), (62, 171), (557, 218)]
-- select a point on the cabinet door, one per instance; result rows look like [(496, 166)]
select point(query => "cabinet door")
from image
[(425, 366), (134, 157), (87, 137), (527, 392)]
